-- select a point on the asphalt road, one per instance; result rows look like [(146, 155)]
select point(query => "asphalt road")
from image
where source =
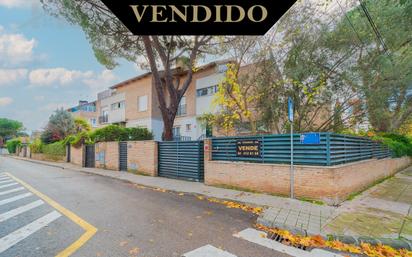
[(131, 221)]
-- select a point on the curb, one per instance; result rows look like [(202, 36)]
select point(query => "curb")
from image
[(37, 162), (129, 181), (355, 240)]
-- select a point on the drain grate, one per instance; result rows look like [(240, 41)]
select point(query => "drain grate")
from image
[(278, 238)]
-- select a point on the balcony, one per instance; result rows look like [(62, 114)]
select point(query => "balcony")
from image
[(103, 119)]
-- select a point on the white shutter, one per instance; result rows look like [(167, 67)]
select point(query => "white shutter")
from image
[(142, 103)]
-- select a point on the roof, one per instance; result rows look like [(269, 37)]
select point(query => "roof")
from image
[(176, 71)]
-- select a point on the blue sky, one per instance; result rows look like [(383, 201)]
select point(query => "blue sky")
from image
[(46, 63)]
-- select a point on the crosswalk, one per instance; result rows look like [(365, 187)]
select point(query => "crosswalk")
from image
[(16, 202), (258, 237)]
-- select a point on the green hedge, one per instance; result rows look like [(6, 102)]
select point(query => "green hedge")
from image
[(117, 133), (12, 145), (55, 149), (399, 144), (36, 146)]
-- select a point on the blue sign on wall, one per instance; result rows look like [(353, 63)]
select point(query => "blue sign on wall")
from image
[(310, 139)]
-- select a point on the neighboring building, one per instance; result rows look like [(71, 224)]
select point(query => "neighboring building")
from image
[(134, 103), (87, 111), (141, 104), (111, 108), (198, 100)]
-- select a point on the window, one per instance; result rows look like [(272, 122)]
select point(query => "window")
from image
[(188, 127), (104, 118), (176, 131), (117, 106), (142, 103), (222, 68), (207, 91), (93, 122), (182, 107)]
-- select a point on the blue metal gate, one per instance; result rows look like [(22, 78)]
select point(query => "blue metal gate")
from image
[(182, 160)]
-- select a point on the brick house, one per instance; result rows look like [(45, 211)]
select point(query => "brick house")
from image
[(87, 111), (133, 103)]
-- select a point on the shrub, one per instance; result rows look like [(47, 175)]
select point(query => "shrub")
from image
[(109, 133), (137, 134), (36, 146), (399, 144), (117, 133), (55, 149), (13, 144)]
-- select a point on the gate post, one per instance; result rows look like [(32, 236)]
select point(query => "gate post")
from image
[(156, 159), (68, 153), (83, 155), (208, 149), (207, 152)]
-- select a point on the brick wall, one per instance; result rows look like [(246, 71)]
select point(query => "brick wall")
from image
[(107, 155), (45, 157), (76, 155), (330, 184), (142, 157)]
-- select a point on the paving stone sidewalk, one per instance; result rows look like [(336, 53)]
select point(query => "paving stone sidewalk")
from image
[(383, 211), (382, 214)]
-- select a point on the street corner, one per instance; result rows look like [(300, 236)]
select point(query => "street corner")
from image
[(34, 224)]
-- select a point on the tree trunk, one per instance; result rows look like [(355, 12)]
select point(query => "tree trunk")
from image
[(168, 131), (163, 80)]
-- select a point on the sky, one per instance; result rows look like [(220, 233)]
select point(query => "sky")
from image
[(46, 63)]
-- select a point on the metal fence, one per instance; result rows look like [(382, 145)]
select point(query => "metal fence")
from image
[(333, 149), (182, 160)]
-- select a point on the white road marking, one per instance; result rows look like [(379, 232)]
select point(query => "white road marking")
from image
[(5, 178), (6, 181), (10, 214), (14, 198), (208, 251), (12, 190), (8, 185), (20, 234), (259, 237)]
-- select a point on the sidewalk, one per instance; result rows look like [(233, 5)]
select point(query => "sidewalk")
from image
[(383, 211), (382, 214)]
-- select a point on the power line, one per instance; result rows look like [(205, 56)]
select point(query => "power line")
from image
[(373, 25), (350, 23)]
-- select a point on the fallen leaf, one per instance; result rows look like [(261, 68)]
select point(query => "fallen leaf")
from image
[(134, 250), (123, 243)]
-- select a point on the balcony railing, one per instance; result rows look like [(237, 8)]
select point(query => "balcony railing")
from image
[(103, 119)]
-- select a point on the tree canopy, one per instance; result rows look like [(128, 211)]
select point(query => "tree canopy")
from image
[(111, 40), (61, 124), (333, 66), (10, 128)]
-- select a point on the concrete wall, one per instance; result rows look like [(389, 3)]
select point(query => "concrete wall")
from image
[(107, 155), (142, 157), (76, 155), (330, 184)]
